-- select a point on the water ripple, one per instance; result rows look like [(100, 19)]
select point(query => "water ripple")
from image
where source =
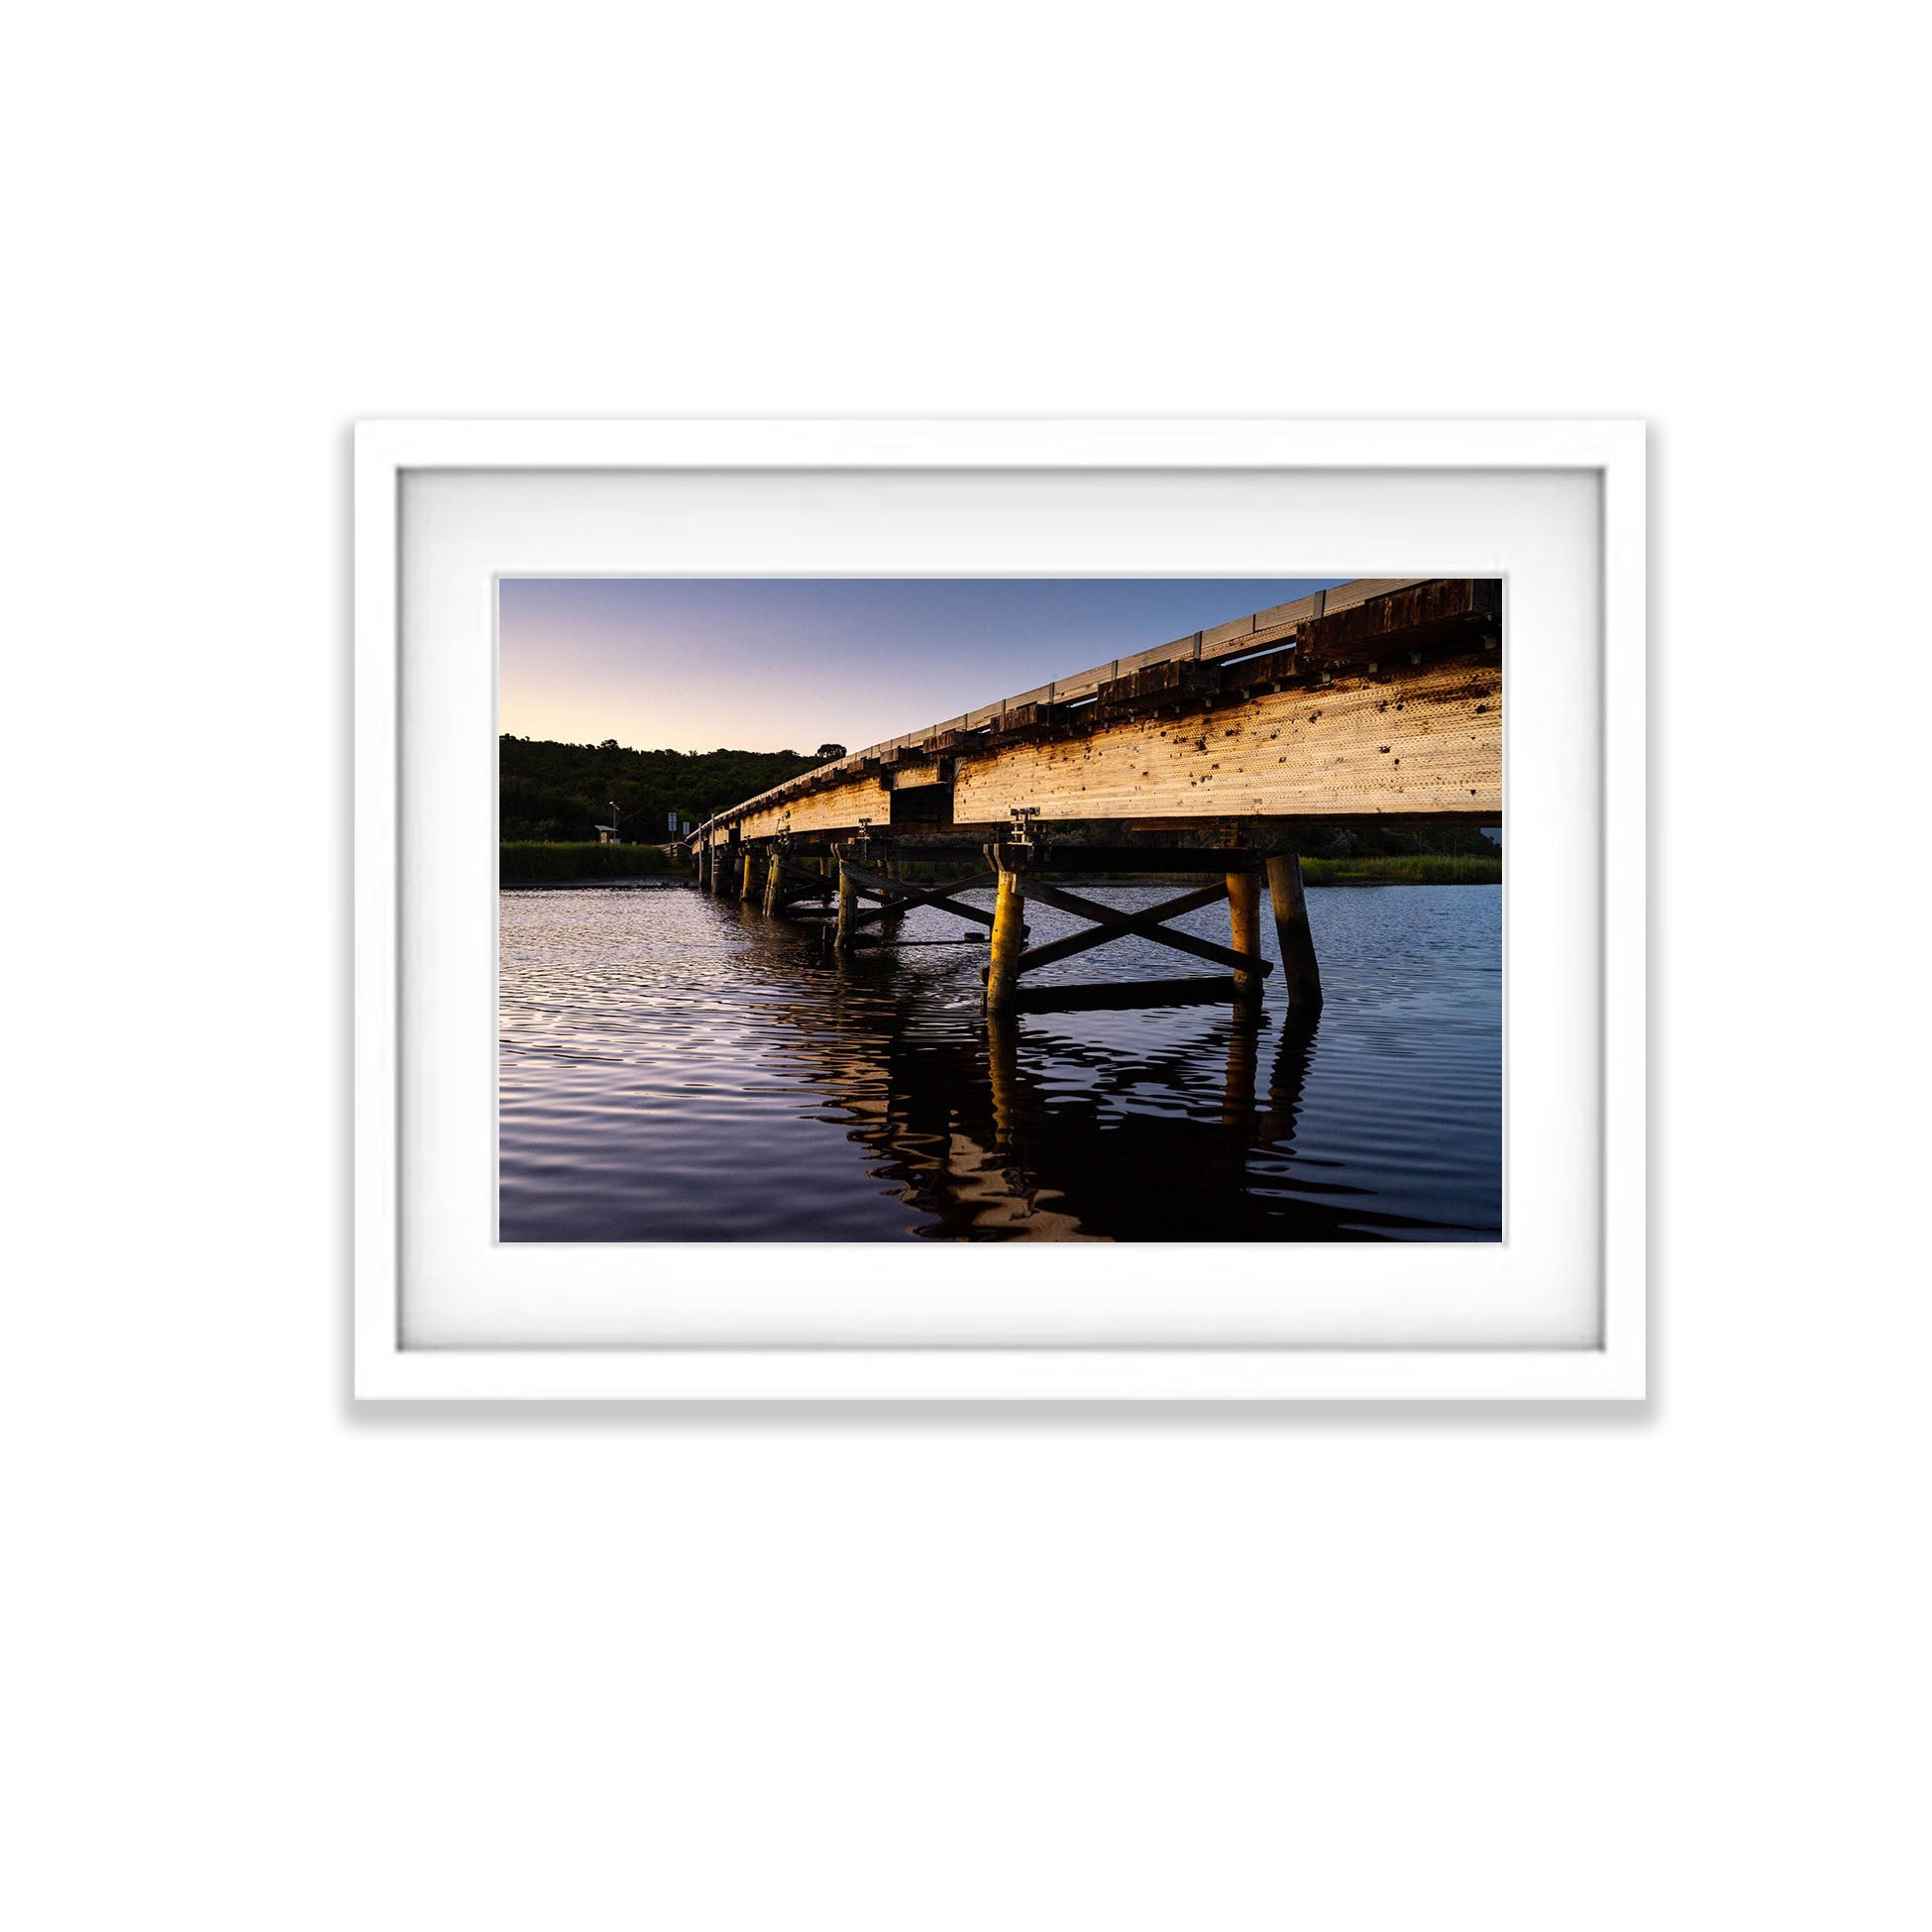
[(672, 1068)]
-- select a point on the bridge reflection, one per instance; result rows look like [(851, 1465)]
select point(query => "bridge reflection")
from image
[(1176, 1126)]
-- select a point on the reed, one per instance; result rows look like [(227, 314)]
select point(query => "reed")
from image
[(529, 863)]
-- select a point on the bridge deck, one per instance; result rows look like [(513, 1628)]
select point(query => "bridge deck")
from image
[(1379, 700)]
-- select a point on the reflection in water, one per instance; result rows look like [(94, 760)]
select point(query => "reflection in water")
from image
[(678, 1070)]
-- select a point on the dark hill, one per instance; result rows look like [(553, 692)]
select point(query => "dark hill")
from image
[(549, 790)]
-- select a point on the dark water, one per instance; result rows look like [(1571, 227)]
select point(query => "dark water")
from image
[(679, 1069)]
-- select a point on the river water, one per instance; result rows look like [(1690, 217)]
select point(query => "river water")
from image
[(676, 1068)]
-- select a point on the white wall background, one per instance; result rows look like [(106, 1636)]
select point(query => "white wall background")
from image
[(275, 1663)]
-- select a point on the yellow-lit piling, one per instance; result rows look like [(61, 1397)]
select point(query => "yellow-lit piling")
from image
[(848, 909), (1008, 934), (1299, 971), (774, 884), (745, 889), (1245, 927)]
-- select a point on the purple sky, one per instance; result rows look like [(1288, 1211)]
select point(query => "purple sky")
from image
[(767, 664)]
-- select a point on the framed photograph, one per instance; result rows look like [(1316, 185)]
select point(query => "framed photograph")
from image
[(1000, 910)]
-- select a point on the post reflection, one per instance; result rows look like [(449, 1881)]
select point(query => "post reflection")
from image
[(1025, 1127)]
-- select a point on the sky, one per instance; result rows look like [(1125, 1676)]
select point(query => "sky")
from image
[(776, 664)]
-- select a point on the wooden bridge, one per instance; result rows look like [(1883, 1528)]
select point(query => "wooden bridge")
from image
[(1380, 701)]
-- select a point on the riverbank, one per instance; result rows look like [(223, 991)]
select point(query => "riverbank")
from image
[(533, 864), (1407, 869)]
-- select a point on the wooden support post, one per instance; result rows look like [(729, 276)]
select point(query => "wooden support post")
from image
[(1009, 933), (745, 890), (848, 908), (773, 884), (1299, 972), (1245, 927)]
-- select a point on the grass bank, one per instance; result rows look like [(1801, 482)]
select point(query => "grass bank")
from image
[(533, 864), (1405, 869)]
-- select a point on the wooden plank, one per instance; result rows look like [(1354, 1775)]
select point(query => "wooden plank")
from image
[(1442, 609), (1345, 596), (1157, 684), (1188, 991), (1360, 748)]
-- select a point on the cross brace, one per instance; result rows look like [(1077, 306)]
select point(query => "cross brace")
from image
[(1113, 924), (895, 895)]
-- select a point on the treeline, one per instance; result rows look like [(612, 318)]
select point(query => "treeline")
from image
[(551, 793)]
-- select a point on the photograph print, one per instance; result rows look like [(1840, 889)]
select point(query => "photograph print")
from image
[(999, 910)]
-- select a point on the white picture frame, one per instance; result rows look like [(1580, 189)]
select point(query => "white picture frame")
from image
[(897, 1368)]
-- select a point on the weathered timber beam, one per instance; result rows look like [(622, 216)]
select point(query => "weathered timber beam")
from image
[(1424, 745), (1406, 619), (1118, 924), (838, 807)]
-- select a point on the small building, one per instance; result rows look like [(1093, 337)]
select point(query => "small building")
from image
[(607, 835)]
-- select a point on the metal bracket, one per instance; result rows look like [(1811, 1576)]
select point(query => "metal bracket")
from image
[(1023, 818)]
